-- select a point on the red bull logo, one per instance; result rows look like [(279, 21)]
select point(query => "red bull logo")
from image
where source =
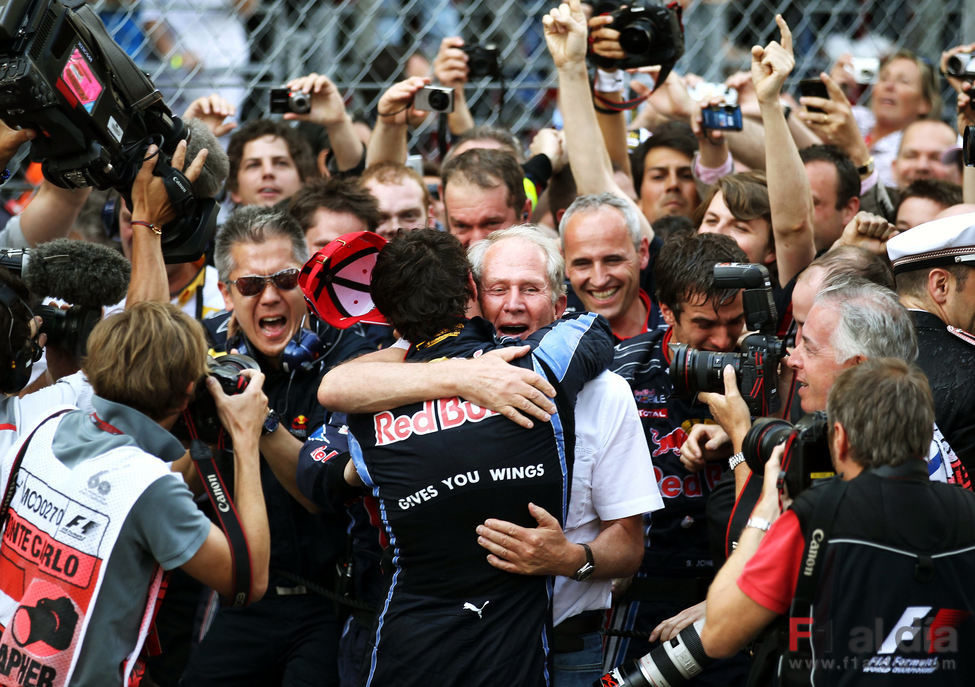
[(668, 443)]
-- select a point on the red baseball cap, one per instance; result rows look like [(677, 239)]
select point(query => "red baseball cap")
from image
[(335, 281)]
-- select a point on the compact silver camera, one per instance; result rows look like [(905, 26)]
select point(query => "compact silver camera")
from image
[(434, 99)]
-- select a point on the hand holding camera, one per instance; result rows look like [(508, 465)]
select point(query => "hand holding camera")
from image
[(314, 98), (398, 98), (450, 64), (151, 202), (729, 409), (11, 140), (241, 414), (958, 66)]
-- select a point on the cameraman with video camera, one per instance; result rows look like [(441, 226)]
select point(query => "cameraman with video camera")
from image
[(819, 562)]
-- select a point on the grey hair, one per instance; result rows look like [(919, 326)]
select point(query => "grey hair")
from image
[(872, 322), (256, 224), (885, 406), (217, 165), (554, 263), (595, 201)]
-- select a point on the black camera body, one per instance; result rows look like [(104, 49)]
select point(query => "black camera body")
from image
[(806, 456), (95, 111), (649, 35), (483, 60), (756, 366), (200, 417), (68, 329), (285, 100)]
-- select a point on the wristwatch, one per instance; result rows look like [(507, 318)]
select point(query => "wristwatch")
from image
[(736, 460), (587, 569), (758, 523), (271, 422)]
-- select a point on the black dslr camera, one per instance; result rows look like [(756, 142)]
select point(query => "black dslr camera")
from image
[(483, 60), (806, 456), (62, 75), (200, 420), (756, 366), (649, 35)]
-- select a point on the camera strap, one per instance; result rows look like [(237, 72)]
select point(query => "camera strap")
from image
[(229, 521), (15, 468), (798, 672)]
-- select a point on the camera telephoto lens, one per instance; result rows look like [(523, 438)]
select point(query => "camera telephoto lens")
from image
[(765, 434), (637, 38), (672, 663), (692, 370)]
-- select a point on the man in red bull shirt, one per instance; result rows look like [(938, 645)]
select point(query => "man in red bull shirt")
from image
[(668, 591)]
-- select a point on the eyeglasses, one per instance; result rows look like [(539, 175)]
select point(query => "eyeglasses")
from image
[(253, 284)]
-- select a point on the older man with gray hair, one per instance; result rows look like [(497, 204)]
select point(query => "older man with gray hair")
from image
[(518, 273)]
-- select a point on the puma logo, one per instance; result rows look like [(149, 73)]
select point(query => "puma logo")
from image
[(468, 606)]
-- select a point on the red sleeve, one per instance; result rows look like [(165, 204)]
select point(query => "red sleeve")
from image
[(769, 577)]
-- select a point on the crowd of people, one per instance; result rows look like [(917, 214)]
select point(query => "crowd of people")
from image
[(511, 450)]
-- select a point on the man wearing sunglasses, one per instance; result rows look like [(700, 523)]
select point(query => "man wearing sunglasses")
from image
[(291, 636)]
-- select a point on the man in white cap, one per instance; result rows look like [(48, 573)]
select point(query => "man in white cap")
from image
[(934, 268)]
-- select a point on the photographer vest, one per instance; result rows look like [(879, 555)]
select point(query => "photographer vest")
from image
[(61, 531), (890, 595)]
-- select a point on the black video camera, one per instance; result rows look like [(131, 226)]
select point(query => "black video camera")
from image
[(649, 35), (757, 365), (200, 420), (95, 112), (483, 60), (806, 456)]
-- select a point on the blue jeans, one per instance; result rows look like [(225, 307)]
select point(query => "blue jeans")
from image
[(579, 668)]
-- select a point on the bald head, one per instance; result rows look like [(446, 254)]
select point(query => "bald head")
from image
[(919, 157)]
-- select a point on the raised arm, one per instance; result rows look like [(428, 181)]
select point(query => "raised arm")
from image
[(566, 37), (388, 141), (150, 211), (450, 69), (328, 110), (790, 196), (488, 381)]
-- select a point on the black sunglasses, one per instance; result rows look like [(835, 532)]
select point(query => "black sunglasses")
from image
[(254, 284)]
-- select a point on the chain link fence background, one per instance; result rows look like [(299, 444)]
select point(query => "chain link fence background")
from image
[(242, 48)]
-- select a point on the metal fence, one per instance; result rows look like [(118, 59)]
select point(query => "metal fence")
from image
[(244, 47)]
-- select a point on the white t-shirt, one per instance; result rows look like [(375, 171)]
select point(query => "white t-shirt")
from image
[(612, 478)]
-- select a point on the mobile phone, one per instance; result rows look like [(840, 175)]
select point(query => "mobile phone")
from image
[(813, 88), (724, 117)]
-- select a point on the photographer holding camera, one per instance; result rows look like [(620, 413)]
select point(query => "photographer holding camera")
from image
[(95, 512), (668, 591), (819, 562)]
